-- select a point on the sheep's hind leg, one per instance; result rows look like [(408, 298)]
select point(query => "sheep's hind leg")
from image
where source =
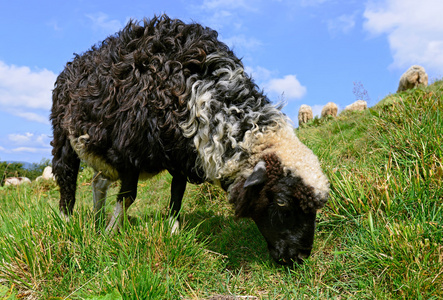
[(178, 187), (127, 195), (65, 166), (100, 185)]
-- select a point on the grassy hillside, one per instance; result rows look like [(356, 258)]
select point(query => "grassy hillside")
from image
[(379, 237), (385, 167)]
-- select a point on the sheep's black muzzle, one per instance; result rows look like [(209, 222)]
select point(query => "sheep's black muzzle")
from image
[(295, 257), (290, 237)]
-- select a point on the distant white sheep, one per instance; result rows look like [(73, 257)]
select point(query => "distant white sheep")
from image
[(46, 175), (415, 76), (305, 114), (358, 105), (16, 180), (330, 109)]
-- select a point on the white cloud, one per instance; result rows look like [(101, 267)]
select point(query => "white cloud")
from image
[(231, 17), (27, 142), (45, 151), (26, 93), (414, 31), (43, 140), (240, 41), (102, 22), (259, 74), (29, 139), (219, 14), (219, 19), (32, 150), (25, 88), (342, 24), (21, 138), (289, 87), (30, 116)]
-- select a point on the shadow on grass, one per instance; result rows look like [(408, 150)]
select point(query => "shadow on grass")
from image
[(238, 240)]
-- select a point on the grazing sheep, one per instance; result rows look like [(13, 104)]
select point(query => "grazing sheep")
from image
[(47, 173), (305, 114), (330, 109), (165, 95), (16, 180), (415, 76), (358, 105)]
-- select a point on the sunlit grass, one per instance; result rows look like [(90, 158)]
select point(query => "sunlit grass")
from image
[(388, 196), (379, 237)]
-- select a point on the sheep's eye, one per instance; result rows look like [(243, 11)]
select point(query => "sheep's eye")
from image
[(282, 203)]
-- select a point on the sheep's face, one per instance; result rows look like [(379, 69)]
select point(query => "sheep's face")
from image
[(287, 228), (284, 209)]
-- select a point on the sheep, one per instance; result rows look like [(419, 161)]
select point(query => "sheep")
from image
[(415, 76), (330, 109), (17, 180), (304, 114), (46, 175), (358, 105), (165, 95)]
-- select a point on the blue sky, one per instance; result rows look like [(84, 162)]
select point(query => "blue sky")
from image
[(302, 51)]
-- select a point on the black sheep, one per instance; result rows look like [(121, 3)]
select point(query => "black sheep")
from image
[(165, 95)]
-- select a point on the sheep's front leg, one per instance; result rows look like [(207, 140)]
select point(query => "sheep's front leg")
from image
[(178, 187), (100, 185), (127, 195)]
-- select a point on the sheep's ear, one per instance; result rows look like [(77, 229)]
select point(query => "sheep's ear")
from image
[(258, 175)]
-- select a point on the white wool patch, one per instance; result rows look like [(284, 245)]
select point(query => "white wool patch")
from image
[(213, 125), (213, 134), (295, 157), (97, 163)]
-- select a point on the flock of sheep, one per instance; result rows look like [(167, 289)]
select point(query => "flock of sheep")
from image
[(46, 175), (415, 76)]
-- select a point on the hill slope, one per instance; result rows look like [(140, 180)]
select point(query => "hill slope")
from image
[(385, 168)]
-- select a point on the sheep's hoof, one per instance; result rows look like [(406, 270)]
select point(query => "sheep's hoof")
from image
[(175, 226), (113, 227), (65, 217)]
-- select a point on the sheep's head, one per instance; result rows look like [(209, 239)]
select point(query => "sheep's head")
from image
[(283, 206)]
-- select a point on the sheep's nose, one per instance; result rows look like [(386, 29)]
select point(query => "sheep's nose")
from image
[(303, 254)]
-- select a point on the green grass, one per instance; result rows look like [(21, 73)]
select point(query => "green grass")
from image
[(379, 237)]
